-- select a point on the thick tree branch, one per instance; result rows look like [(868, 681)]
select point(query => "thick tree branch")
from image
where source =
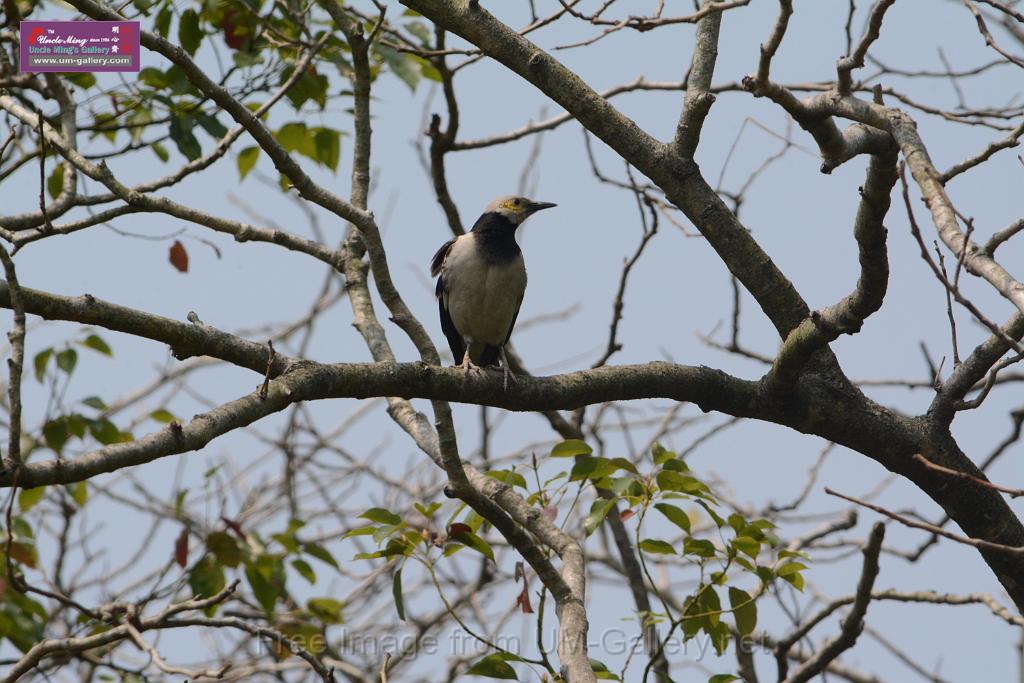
[(15, 363), (847, 316), (699, 99)]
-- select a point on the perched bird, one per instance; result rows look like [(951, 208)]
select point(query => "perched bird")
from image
[(481, 279)]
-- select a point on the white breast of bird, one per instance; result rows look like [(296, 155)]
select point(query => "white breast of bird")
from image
[(482, 298)]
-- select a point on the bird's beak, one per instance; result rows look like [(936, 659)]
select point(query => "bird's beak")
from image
[(540, 206)]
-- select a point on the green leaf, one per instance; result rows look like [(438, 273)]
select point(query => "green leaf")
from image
[(367, 530), (744, 610), (247, 159), (427, 511), (428, 70), (396, 592), (790, 568), (656, 546), (328, 147), (79, 492), (421, 31), (381, 516), (327, 610), (601, 671), (468, 538), (320, 553), (225, 548), (719, 522), (40, 361), (211, 125), (796, 579), (671, 480), (295, 137), (94, 402), (189, 33), (106, 432), (698, 546), (163, 416), (154, 78), (675, 515), (206, 577), (77, 425), (791, 572), (401, 65), (570, 448), (720, 637), (160, 151), (745, 544), (96, 343), (598, 511), (508, 477), (309, 86), (55, 182), (304, 570), (162, 23), (493, 666), (27, 498), (55, 433), (266, 577), (67, 359), (660, 455), (394, 548), (181, 132), (83, 80), (723, 678), (591, 468)]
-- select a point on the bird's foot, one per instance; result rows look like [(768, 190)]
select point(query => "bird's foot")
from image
[(469, 366)]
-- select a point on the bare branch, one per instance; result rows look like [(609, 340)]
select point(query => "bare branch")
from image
[(856, 60), (853, 623), (977, 543)]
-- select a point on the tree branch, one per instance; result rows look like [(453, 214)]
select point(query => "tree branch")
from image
[(854, 622)]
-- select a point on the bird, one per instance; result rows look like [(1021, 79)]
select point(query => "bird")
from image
[(481, 279)]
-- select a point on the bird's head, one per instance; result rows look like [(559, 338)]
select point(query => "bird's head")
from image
[(516, 209)]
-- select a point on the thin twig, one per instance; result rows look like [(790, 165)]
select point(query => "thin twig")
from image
[(1012, 492), (976, 542)]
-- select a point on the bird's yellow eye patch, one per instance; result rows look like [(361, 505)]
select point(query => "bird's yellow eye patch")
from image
[(513, 204)]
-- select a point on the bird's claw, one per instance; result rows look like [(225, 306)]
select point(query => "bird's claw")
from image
[(506, 375), (468, 366)]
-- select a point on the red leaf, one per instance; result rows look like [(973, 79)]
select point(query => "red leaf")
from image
[(236, 527), (179, 257), (626, 514), (459, 528), (181, 548), (234, 38), (523, 600)]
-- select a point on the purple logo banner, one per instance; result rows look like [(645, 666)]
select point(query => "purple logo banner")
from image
[(79, 46)]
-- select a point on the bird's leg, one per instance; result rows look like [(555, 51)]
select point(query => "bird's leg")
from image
[(466, 364), (508, 374)]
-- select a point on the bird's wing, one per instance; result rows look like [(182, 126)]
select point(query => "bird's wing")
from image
[(515, 315), (455, 341), (439, 257)]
